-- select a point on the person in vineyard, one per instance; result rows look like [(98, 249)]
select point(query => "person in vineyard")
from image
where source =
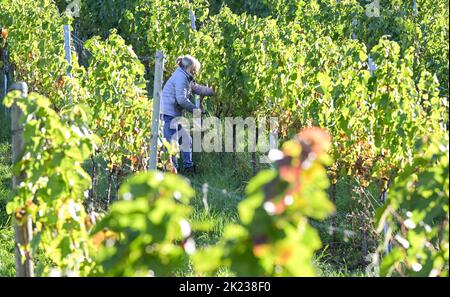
[(176, 96)]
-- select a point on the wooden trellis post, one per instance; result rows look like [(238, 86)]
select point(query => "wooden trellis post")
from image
[(157, 90), (23, 232)]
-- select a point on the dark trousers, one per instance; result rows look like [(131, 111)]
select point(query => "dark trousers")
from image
[(176, 132)]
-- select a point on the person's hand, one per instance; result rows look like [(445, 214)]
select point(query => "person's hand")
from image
[(213, 87)]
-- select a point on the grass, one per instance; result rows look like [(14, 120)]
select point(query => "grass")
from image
[(325, 269), (5, 180), (226, 190), (7, 264)]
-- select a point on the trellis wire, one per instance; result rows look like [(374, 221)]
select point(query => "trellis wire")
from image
[(80, 44), (223, 192), (328, 227)]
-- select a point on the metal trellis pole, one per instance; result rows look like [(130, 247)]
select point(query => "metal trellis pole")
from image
[(372, 68), (193, 27), (192, 16), (5, 75), (67, 47)]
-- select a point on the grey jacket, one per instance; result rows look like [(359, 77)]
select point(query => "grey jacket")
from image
[(177, 92)]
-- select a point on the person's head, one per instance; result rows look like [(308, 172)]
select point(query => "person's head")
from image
[(189, 64)]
